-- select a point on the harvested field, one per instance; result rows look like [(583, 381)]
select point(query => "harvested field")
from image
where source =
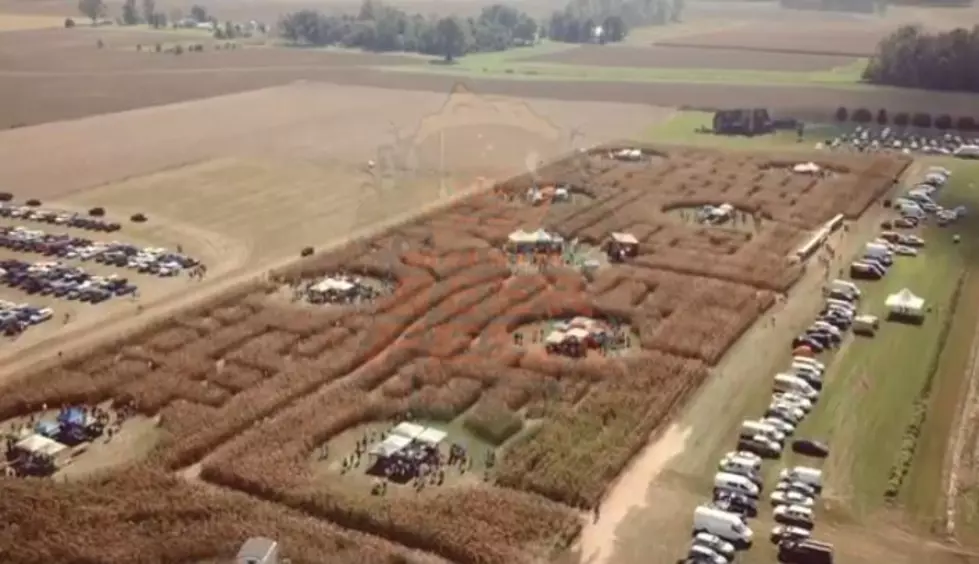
[(60, 75), (692, 57), (292, 378), (840, 38)]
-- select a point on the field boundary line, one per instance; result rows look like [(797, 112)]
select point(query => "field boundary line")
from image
[(752, 49), (967, 417)]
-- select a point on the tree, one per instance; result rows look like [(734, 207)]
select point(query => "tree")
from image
[(129, 14), (882, 117), (862, 115), (614, 29), (199, 13), (678, 6), (451, 38), (149, 12), (526, 30), (842, 114), (92, 9)]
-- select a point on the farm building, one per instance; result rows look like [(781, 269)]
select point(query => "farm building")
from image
[(905, 306), (539, 241), (622, 245)]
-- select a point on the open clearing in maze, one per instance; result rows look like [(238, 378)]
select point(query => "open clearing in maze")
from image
[(247, 387)]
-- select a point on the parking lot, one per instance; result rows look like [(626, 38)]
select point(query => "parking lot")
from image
[(58, 267)]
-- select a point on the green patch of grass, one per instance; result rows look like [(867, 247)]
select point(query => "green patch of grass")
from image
[(682, 129), (872, 385), (512, 65)]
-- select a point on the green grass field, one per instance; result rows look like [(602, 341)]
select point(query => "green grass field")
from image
[(873, 383), (515, 64), (682, 129)]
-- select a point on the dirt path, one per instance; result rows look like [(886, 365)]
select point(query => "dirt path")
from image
[(664, 481)]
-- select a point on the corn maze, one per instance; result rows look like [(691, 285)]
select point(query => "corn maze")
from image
[(246, 387)]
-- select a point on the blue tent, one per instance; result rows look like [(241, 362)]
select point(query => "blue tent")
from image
[(73, 416), (49, 429)]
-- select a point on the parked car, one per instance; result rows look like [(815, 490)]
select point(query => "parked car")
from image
[(794, 515), (785, 532), (789, 497), (715, 543), (809, 447), (796, 486)]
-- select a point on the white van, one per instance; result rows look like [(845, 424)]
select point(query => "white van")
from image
[(809, 476), (728, 526), (736, 483), (752, 428), (839, 285), (794, 384), (810, 361)]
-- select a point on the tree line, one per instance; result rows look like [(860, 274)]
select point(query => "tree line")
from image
[(378, 27), (911, 58), (919, 120), (609, 21)]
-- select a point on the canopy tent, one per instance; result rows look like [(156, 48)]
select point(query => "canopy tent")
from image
[(47, 428), (431, 437), (40, 445), (554, 338), (578, 333), (806, 168), (332, 285), (73, 416), (906, 303), (408, 430), (625, 238), (391, 445), (521, 237)]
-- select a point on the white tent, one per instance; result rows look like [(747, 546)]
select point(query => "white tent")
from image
[(332, 285), (541, 236), (905, 303), (625, 238), (408, 430), (41, 445), (391, 445), (579, 333), (806, 168), (431, 436), (554, 338), (521, 237)]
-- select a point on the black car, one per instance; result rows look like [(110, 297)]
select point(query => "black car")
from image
[(809, 447)]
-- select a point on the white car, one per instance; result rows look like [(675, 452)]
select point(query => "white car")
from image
[(795, 399), (792, 514), (791, 411), (791, 497), (906, 251), (741, 454), (715, 543), (700, 553), (783, 426), (794, 486), (42, 315), (787, 532)]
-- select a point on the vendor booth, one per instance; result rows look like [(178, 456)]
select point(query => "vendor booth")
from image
[(905, 307)]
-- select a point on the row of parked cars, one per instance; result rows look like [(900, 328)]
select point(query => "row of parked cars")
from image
[(158, 261), (63, 281), (16, 318), (721, 526), (57, 217)]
